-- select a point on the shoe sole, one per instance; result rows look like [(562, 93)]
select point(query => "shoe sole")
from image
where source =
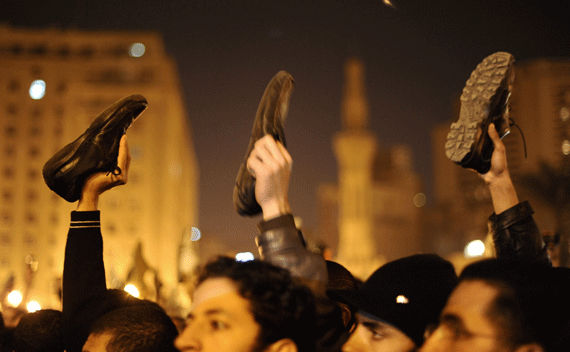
[(58, 169), (482, 94)]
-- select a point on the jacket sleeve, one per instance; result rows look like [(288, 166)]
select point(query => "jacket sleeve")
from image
[(282, 244), (516, 235)]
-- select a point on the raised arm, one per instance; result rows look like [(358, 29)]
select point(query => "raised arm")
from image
[(280, 242), (515, 234), (84, 286)]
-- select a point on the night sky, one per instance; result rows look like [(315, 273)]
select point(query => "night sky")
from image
[(418, 56)]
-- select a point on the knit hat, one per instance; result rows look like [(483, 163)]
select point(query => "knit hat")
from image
[(407, 293)]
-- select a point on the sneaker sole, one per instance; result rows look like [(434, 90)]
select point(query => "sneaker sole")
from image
[(482, 94)]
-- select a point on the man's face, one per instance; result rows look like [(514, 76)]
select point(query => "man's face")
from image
[(374, 336), (464, 323), (220, 320)]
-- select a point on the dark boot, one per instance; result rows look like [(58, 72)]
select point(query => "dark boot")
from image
[(269, 119), (95, 150), (484, 101)]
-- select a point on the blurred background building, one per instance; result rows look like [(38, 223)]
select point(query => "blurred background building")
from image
[(376, 211), (373, 214), (53, 83)]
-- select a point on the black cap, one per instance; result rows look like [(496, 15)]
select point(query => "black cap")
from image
[(407, 293)]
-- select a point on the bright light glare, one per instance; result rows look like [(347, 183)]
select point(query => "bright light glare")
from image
[(37, 89), (137, 50), (33, 306), (244, 257), (474, 249), (15, 298), (133, 290), (196, 234), (566, 147)]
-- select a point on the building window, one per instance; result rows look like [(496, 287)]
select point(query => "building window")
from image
[(10, 131), (87, 51), (13, 86), (34, 152), (38, 50), (35, 131), (32, 196), (5, 239), (12, 109), (7, 196), (111, 228), (36, 112), (16, 49), (8, 172), (29, 240), (7, 217), (31, 218), (9, 151)]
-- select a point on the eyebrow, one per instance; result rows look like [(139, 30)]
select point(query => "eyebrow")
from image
[(451, 319), (209, 312), (371, 325)]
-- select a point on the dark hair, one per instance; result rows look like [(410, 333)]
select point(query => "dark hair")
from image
[(281, 307), (39, 332), (143, 328), (531, 305)]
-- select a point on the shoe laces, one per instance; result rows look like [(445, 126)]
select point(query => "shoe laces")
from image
[(115, 171), (513, 124)]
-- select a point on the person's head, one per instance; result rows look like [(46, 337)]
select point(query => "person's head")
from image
[(144, 327), (557, 248), (39, 332), (248, 307), (505, 305), (341, 279), (398, 302)]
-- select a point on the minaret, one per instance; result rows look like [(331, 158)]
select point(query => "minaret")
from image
[(355, 148)]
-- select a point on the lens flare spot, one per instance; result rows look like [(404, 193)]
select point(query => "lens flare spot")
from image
[(137, 50), (474, 249), (37, 89), (244, 257)]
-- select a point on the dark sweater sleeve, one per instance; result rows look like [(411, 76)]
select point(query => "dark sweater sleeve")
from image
[(84, 286)]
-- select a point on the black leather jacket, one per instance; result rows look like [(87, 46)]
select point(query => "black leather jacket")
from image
[(516, 235)]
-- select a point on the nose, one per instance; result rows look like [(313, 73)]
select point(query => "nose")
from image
[(188, 340), (434, 343), (354, 342)]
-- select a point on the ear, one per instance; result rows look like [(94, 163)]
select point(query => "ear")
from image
[(530, 347), (283, 345)]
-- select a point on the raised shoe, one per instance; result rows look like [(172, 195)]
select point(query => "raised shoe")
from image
[(484, 101), (269, 119), (95, 150)]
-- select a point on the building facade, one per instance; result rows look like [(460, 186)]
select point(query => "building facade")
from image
[(77, 74)]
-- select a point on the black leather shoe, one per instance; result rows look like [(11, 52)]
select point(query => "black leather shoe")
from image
[(95, 150), (269, 119), (484, 101)]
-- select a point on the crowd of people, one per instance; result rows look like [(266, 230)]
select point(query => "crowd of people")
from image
[(292, 299)]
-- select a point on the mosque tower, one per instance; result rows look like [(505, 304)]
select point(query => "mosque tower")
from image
[(355, 150)]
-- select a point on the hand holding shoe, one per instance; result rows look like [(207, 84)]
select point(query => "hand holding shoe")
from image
[(498, 178), (102, 181), (271, 164)]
